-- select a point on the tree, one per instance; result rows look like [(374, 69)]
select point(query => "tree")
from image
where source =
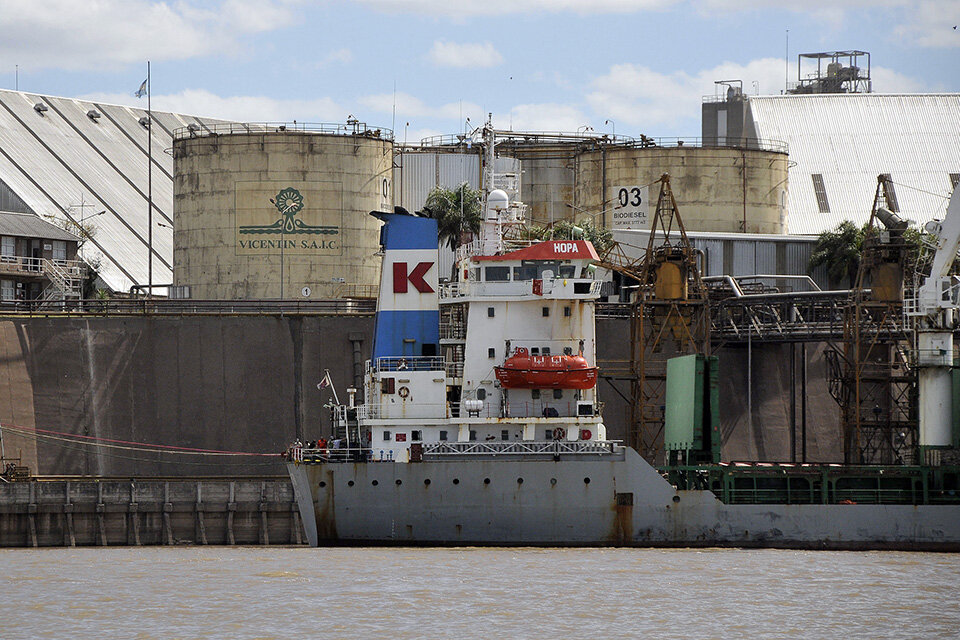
[(839, 249), (457, 211), (600, 237)]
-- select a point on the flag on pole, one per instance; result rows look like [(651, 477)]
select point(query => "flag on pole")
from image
[(326, 382), (142, 91)]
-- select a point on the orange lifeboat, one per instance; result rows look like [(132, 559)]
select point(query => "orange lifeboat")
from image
[(523, 371)]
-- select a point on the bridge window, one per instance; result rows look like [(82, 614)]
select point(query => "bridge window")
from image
[(527, 272), (567, 270), (497, 274)]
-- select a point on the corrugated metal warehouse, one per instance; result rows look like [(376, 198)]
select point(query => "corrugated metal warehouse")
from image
[(840, 143)]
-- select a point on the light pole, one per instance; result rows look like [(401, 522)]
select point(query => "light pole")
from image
[(613, 126)]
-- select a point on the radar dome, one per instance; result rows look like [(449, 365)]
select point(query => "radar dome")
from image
[(498, 199)]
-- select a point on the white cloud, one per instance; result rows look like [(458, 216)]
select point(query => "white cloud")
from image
[(111, 33), (466, 55), (932, 23), (890, 81), (545, 117), (470, 8), (928, 23), (341, 56), (199, 102), (409, 106)]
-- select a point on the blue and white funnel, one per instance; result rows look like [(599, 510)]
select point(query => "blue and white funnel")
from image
[(408, 311)]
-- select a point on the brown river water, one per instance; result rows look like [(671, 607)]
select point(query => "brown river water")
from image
[(253, 592)]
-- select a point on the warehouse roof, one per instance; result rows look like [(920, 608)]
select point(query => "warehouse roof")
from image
[(57, 154), (28, 225), (840, 143)]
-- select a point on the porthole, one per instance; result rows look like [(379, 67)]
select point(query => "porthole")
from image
[(456, 481), (399, 482), (375, 483), (322, 484), (519, 480), (350, 483), (553, 481), (427, 481), (586, 481), (486, 481)]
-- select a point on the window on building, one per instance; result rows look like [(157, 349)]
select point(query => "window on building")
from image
[(566, 312), (416, 435), (473, 435), (892, 203), (504, 434), (546, 312), (497, 274), (8, 290), (60, 250), (481, 394), (490, 312), (954, 180), (821, 192), (386, 436), (443, 435), (8, 247), (491, 353)]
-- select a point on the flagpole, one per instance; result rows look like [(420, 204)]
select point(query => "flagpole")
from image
[(149, 189)]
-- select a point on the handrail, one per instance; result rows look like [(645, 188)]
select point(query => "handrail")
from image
[(185, 307), (352, 128)]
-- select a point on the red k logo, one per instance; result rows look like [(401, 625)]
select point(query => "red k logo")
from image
[(415, 277)]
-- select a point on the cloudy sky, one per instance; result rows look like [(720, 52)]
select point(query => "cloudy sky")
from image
[(423, 67)]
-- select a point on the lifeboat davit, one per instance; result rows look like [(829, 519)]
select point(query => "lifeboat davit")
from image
[(523, 371)]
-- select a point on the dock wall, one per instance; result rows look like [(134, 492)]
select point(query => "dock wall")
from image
[(68, 513)]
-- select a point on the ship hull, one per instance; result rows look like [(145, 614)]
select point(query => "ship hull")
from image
[(625, 503)]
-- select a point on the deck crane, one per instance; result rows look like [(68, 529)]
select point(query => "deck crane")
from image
[(935, 313)]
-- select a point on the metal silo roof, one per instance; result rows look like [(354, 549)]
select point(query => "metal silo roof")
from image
[(850, 139), (52, 154)]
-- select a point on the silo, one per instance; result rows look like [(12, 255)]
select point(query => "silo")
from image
[(725, 189), (279, 211)]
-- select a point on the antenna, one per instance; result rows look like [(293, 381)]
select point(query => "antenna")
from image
[(786, 64)]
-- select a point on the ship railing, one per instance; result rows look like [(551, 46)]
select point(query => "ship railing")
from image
[(450, 290), (308, 455), (411, 363), (522, 448)]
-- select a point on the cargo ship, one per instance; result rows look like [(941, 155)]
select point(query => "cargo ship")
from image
[(480, 424)]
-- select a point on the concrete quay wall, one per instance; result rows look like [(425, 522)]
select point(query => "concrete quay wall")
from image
[(89, 512)]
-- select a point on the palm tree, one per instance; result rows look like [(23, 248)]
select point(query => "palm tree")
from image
[(839, 249), (457, 211)]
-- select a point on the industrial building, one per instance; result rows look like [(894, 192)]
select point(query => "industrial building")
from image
[(841, 137), (38, 261), (85, 164), (279, 211)]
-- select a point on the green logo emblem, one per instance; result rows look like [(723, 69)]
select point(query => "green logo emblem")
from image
[(289, 202)]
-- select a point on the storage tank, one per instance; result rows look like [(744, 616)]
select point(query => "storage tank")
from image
[(279, 210), (726, 189)]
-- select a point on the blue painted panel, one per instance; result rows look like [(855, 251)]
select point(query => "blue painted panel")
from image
[(393, 327), (407, 232)]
